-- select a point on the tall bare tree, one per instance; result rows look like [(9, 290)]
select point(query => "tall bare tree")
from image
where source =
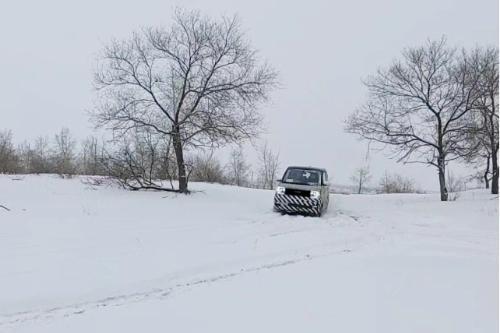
[(91, 156), (418, 107), (41, 162), (198, 82), (35, 157), (63, 155), (9, 159), (238, 168), (269, 164), (484, 134), (360, 178), (26, 154)]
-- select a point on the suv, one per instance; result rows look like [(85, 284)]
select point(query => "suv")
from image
[(303, 190)]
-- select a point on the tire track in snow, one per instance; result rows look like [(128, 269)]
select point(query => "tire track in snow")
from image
[(157, 293), (322, 250)]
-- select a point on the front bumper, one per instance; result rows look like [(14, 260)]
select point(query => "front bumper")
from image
[(297, 204)]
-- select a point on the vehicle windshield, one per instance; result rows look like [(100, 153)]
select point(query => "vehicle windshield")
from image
[(302, 176)]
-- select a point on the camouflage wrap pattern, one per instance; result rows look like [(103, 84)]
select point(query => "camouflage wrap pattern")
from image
[(297, 204)]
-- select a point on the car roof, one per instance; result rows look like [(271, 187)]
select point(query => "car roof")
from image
[(306, 168)]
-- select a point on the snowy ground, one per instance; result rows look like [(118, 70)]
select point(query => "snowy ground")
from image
[(78, 259)]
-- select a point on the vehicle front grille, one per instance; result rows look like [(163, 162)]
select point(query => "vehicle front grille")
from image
[(302, 193)]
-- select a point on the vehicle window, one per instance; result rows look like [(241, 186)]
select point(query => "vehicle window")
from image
[(302, 176), (325, 177)]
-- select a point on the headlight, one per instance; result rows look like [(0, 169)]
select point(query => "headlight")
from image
[(280, 190), (315, 194)]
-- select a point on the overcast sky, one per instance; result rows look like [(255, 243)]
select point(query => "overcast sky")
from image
[(322, 50)]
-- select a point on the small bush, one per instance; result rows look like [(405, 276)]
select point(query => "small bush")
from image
[(207, 168), (454, 185), (396, 183)]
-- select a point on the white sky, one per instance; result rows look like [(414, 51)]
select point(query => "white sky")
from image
[(322, 49)]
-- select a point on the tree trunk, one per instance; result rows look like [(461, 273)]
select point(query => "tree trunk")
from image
[(493, 143), (486, 173), (181, 167), (442, 178), (359, 187), (494, 167)]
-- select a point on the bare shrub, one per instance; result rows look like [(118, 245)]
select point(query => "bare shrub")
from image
[(396, 183), (455, 186), (137, 163), (207, 168)]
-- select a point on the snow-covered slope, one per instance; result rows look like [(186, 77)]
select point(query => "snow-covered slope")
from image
[(82, 259)]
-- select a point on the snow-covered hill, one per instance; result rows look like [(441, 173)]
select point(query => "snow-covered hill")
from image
[(82, 259)]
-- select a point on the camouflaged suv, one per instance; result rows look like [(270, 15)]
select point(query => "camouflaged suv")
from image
[(303, 190)]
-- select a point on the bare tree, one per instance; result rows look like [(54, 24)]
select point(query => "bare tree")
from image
[(360, 178), (479, 156), (63, 155), (41, 163), (418, 107), (253, 181), (35, 158), (9, 160), (199, 82), (91, 157), (484, 135), (25, 153), (269, 164), (238, 169)]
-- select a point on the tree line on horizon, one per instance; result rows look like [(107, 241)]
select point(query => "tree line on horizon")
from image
[(147, 164), (139, 163)]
